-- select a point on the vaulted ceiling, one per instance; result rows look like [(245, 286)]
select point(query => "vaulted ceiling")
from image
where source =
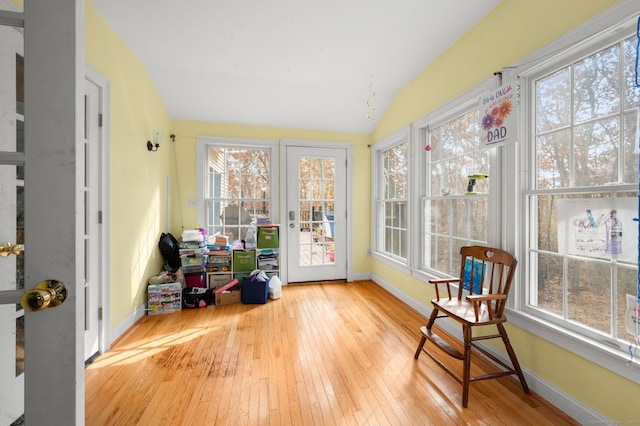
[(325, 65)]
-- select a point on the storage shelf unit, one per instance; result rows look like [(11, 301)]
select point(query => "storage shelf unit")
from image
[(219, 268), (225, 265), (268, 251)]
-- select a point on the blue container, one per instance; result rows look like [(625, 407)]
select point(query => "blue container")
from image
[(254, 292)]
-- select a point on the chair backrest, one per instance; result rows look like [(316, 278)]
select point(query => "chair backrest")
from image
[(487, 270)]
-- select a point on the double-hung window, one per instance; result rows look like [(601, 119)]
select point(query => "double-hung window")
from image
[(581, 194), (236, 184), (391, 189), (455, 174)]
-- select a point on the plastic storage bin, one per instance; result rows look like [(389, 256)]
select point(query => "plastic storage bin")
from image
[(254, 292), (195, 280), (164, 298)]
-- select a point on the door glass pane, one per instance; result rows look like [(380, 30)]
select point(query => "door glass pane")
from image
[(20, 345), (12, 110), (316, 206)]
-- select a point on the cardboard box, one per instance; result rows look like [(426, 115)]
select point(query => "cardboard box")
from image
[(228, 297), (227, 294), (164, 298)]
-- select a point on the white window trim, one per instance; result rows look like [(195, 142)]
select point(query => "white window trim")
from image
[(203, 143), (402, 135), (604, 26), (452, 109)]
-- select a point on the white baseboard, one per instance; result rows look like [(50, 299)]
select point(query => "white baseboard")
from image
[(128, 322), (563, 401), (360, 276)]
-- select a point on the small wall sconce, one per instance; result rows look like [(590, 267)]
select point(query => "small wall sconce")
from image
[(157, 138)]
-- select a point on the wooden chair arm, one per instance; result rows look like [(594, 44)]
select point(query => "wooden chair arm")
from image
[(447, 281), (477, 299), (482, 297)]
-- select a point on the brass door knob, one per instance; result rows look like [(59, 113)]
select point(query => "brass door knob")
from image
[(7, 248), (48, 293)]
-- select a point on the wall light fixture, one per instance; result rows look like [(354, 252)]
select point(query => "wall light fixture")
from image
[(157, 138)]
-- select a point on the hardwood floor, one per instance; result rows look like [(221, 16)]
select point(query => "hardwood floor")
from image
[(323, 354)]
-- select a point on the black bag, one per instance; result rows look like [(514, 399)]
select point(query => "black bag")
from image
[(170, 249), (196, 297)]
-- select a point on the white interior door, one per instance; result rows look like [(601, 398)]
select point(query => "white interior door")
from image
[(316, 213), (41, 353)]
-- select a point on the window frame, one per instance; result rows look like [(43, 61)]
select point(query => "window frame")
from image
[(596, 34), (452, 110), (203, 143), (377, 183)]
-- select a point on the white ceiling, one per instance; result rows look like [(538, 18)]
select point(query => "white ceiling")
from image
[(288, 63)]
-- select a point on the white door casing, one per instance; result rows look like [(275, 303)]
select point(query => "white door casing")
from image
[(96, 209), (307, 250)]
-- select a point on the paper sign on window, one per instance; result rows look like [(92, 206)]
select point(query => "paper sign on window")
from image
[(497, 112)]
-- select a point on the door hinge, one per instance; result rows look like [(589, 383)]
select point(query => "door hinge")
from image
[(99, 314), (99, 120), (100, 216)]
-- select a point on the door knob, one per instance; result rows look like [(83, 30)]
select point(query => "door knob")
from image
[(48, 293), (7, 248)]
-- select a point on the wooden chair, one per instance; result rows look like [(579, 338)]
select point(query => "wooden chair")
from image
[(485, 278)]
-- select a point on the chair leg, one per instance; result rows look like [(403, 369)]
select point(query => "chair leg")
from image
[(512, 356), (432, 319), (420, 346), (466, 369)]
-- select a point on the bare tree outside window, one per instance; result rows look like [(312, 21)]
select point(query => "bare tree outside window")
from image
[(585, 125), (237, 190), (452, 217), (392, 202)]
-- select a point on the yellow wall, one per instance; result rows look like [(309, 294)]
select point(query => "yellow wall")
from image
[(513, 30), (187, 131), (138, 177)]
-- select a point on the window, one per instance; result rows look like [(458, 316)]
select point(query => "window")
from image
[(582, 193), (391, 168), (455, 208), (455, 211), (236, 183)]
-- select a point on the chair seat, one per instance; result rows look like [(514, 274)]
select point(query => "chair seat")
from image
[(462, 310)]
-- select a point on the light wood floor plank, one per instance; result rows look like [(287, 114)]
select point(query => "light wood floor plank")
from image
[(330, 353)]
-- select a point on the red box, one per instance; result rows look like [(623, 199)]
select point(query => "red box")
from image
[(195, 280)]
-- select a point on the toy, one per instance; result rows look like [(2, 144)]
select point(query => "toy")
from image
[(472, 182)]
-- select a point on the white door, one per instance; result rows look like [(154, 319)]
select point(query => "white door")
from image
[(11, 318), (315, 218), (93, 221), (41, 87)]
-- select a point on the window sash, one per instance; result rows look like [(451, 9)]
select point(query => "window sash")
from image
[(392, 204), (255, 193), (451, 218), (565, 310)]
